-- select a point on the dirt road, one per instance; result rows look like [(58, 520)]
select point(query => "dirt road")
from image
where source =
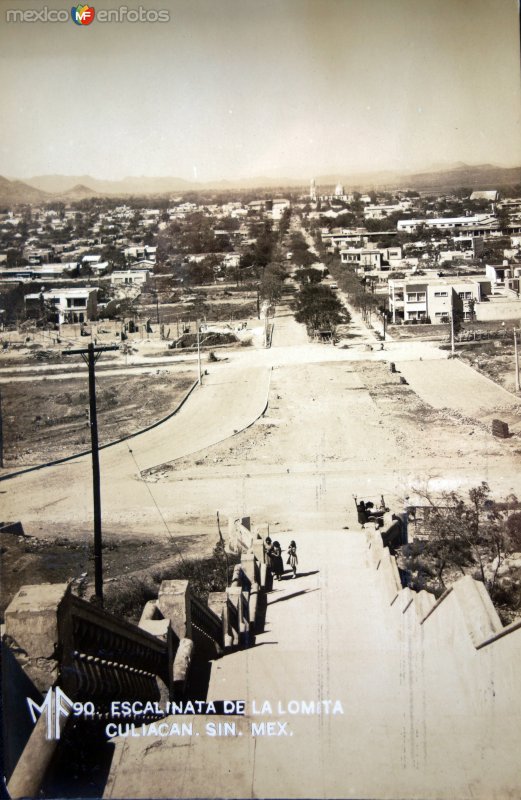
[(337, 424)]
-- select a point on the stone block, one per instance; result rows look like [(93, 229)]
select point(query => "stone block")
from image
[(31, 630), (174, 604), (157, 627), (216, 600)]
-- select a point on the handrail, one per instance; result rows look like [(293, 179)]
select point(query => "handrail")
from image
[(103, 658), (205, 621), (233, 616)]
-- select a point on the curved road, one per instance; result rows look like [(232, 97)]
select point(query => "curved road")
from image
[(228, 401)]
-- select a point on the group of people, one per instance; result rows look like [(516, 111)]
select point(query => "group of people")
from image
[(273, 556)]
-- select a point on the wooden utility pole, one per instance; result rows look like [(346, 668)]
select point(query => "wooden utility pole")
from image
[(90, 356), (516, 358), (199, 372), (1, 434)]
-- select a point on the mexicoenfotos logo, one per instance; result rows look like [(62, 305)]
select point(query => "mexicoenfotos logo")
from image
[(82, 15)]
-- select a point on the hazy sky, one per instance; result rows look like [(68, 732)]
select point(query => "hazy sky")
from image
[(240, 88)]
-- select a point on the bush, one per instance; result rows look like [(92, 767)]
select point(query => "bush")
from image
[(128, 598)]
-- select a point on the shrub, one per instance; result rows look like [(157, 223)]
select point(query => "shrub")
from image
[(127, 598)]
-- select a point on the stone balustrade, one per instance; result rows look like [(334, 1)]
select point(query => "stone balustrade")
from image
[(54, 638)]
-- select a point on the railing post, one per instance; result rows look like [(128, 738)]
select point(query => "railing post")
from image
[(217, 604), (174, 604), (33, 638), (181, 668), (235, 595), (248, 566), (31, 629)]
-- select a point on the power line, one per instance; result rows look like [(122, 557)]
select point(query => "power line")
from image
[(149, 490)]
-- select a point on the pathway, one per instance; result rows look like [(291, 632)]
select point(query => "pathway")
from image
[(453, 384), (413, 725)]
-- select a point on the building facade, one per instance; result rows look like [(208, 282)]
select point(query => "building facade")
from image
[(64, 305), (424, 299)]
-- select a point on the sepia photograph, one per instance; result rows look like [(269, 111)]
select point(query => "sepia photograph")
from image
[(260, 399)]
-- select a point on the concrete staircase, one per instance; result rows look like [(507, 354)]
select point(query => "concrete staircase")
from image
[(425, 713)]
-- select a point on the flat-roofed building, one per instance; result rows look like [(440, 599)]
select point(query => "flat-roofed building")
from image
[(68, 304), (130, 277), (477, 225), (423, 299)]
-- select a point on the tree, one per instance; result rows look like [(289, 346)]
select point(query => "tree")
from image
[(14, 258), (270, 287), (200, 273), (465, 532), (319, 308), (12, 304), (309, 275)]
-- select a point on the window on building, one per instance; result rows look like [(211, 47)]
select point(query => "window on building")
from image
[(415, 297), (441, 294)]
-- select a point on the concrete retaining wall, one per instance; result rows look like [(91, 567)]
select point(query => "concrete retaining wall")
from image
[(454, 649), (506, 309)]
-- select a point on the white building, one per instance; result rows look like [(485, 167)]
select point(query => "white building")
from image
[(423, 299), (477, 225), (504, 276), (130, 277), (365, 259), (69, 304)]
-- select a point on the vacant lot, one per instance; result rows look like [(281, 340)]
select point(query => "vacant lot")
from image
[(48, 419), (494, 358)]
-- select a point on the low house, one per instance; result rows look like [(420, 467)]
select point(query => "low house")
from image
[(381, 212), (231, 259), (364, 260), (492, 196), (130, 277), (477, 225), (504, 276), (138, 253)]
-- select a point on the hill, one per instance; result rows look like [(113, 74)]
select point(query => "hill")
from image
[(14, 192), (436, 179)]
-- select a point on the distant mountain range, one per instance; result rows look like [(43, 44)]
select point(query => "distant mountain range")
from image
[(44, 188), (13, 192)]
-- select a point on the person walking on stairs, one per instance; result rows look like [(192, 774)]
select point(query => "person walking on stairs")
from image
[(292, 558)]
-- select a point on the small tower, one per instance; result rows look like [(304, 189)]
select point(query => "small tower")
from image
[(339, 190), (313, 191)]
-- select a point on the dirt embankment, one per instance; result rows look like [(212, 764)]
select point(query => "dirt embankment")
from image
[(57, 559)]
